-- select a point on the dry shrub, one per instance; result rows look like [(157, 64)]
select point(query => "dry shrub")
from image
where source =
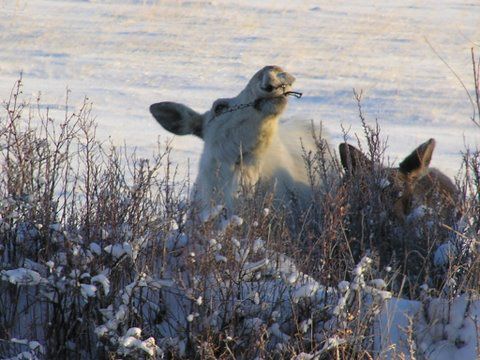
[(102, 255)]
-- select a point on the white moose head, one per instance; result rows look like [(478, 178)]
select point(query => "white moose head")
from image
[(241, 141)]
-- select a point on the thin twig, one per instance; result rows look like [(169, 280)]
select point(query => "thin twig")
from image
[(476, 84), (458, 78)]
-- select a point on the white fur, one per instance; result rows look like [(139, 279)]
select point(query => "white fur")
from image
[(245, 147)]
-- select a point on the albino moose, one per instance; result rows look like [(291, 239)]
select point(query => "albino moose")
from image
[(243, 145)]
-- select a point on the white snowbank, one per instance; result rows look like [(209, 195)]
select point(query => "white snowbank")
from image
[(22, 276)]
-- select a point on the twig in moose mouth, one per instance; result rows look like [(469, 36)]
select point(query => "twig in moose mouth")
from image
[(298, 95)]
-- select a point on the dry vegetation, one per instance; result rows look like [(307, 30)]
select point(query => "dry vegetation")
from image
[(100, 256)]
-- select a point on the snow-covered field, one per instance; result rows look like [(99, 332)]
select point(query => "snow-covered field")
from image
[(125, 55)]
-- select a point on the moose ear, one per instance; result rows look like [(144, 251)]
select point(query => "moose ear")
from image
[(415, 164), (178, 118), (353, 160)]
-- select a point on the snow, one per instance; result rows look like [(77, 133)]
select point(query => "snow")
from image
[(394, 326), (129, 343), (343, 286), (102, 280), (22, 276), (378, 283), (452, 332), (249, 268), (275, 330), (444, 254), (253, 324), (134, 331), (418, 213), (126, 55), (307, 290), (119, 250), (88, 290), (33, 345), (56, 227), (234, 220), (95, 248), (208, 214), (176, 240)]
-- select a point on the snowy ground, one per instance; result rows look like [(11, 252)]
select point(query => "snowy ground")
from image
[(125, 55)]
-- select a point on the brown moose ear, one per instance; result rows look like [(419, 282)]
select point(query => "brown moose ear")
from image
[(415, 164), (353, 160)]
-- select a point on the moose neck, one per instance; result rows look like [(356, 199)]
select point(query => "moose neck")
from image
[(266, 132)]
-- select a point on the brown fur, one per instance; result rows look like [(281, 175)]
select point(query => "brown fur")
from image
[(411, 184)]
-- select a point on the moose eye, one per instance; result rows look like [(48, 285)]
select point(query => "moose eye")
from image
[(268, 88), (218, 108)]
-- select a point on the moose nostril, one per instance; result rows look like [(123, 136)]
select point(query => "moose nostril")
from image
[(286, 78)]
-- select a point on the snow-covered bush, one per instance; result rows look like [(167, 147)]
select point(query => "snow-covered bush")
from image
[(100, 257), (77, 224)]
